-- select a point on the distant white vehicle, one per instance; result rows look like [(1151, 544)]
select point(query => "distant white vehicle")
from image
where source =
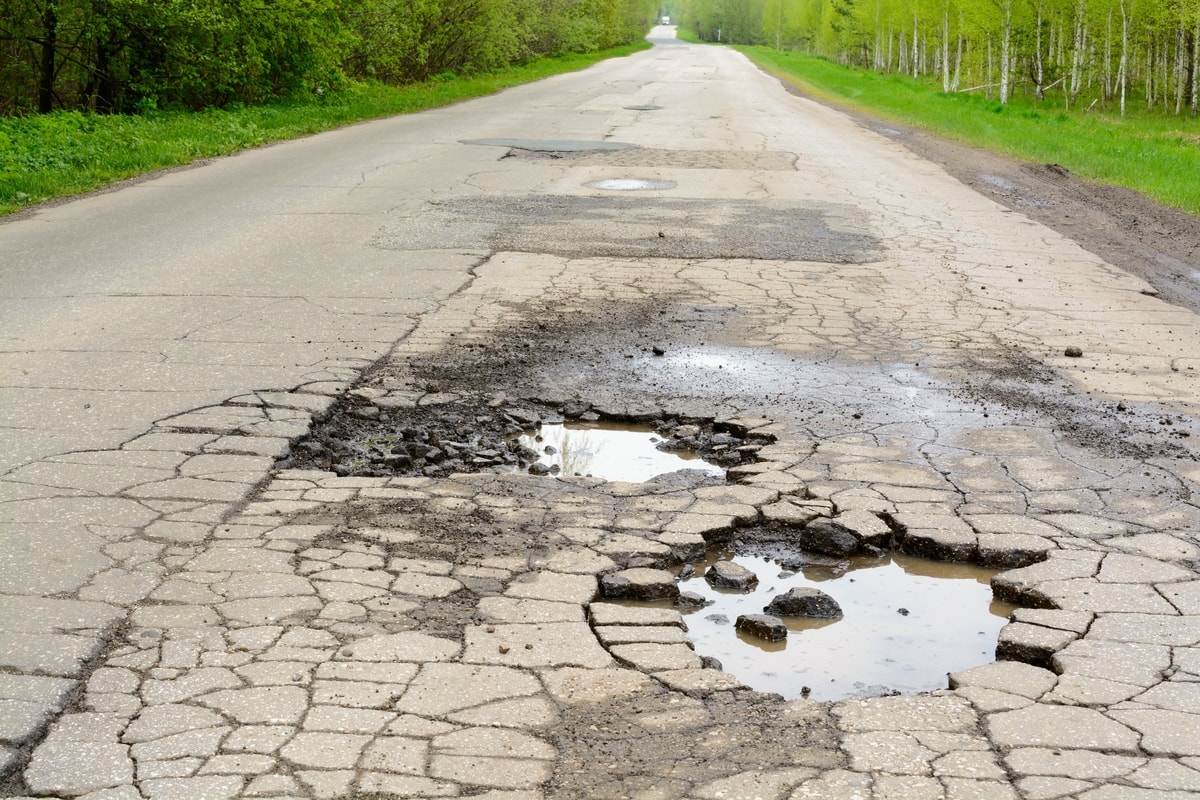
[(666, 21)]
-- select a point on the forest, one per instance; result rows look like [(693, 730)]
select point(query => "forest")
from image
[(1076, 54), (129, 56)]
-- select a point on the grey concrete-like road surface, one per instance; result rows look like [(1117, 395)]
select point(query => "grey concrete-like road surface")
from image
[(934, 372)]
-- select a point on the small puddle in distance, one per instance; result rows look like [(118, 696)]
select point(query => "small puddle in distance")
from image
[(629, 184), (950, 622), (614, 452)]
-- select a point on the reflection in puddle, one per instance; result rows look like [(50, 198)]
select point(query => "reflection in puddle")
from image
[(629, 184), (612, 452), (908, 621)]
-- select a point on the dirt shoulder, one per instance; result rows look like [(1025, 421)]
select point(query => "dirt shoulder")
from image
[(1159, 244)]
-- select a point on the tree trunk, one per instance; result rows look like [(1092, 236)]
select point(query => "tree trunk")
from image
[(1051, 48), (1150, 75), (958, 58), (1006, 52), (916, 55), (1194, 71), (1180, 68), (946, 49), (1039, 72), (990, 70), (49, 56), (104, 98), (1077, 48), (1123, 67), (1108, 84)]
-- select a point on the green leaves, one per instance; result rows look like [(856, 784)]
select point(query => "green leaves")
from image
[(1067, 53), (148, 55), (43, 156)]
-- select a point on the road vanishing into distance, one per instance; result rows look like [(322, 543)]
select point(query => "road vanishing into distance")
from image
[(250, 546)]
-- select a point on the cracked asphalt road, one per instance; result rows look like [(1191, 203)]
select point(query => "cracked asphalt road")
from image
[(182, 619)]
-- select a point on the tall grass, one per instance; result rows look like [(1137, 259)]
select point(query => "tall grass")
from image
[(65, 153), (1154, 154)]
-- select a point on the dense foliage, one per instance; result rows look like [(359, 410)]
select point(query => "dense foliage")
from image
[(1072, 52), (44, 156), (132, 55)]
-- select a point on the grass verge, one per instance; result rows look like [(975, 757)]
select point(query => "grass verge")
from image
[(1154, 154), (67, 152)]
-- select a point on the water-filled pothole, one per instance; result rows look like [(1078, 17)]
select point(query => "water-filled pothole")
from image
[(374, 434), (906, 622), (629, 184), (612, 451)]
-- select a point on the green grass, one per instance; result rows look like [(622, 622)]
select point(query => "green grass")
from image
[(66, 153), (1154, 154)]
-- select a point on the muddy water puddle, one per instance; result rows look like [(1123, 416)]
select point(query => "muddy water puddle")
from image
[(907, 622), (612, 451)]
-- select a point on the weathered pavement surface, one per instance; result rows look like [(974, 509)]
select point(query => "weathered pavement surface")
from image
[(182, 622)]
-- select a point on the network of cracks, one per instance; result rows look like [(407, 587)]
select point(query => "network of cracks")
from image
[(798, 598)]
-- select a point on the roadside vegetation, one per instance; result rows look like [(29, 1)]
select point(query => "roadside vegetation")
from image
[(1110, 89), (1114, 55), (133, 56), (95, 91), (1152, 153), (45, 156), (92, 91)]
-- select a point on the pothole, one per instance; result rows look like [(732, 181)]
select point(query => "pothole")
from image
[(612, 451), (905, 622), (629, 184), (372, 434)]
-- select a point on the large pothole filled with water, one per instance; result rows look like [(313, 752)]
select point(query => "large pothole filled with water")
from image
[(434, 435), (899, 623)]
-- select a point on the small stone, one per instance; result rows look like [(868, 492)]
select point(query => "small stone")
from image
[(763, 626), (831, 538), (730, 575), (691, 600), (804, 602), (1073, 352)]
